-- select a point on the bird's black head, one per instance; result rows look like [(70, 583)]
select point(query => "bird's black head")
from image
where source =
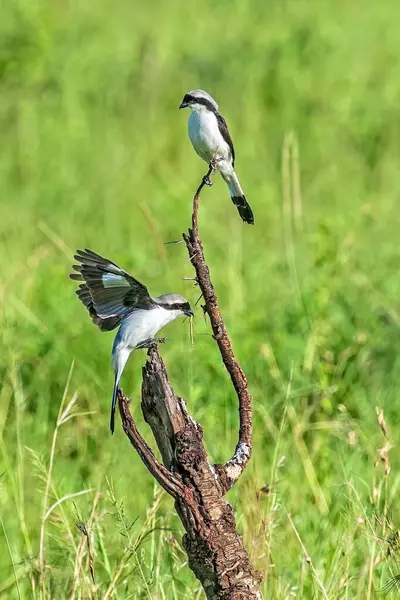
[(197, 99), (187, 101), (175, 302), (187, 310)]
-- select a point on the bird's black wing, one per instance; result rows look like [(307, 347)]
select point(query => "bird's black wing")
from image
[(224, 131), (109, 293), (85, 297)]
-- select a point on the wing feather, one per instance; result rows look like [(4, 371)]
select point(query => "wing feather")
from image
[(224, 131), (109, 293)]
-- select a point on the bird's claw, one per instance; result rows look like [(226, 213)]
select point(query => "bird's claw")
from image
[(148, 344), (207, 181), (214, 163)]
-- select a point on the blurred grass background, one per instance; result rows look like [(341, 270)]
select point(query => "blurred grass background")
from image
[(94, 153)]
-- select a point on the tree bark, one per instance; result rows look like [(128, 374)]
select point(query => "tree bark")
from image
[(215, 549)]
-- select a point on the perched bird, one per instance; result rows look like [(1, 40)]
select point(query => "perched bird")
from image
[(211, 139), (115, 298)]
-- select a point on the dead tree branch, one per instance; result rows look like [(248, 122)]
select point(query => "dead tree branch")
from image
[(231, 471), (164, 477), (215, 549)]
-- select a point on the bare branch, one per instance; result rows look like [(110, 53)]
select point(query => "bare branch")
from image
[(215, 550), (231, 471), (164, 477)]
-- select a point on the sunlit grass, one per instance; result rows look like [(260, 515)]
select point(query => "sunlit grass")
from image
[(94, 153)]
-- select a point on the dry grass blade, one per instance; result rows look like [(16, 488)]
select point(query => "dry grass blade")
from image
[(64, 414), (308, 559), (11, 558), (81, 548), (191, 331), (63, 499)]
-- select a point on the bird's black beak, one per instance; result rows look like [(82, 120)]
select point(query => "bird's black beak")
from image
[(189, 312), (183, 105)]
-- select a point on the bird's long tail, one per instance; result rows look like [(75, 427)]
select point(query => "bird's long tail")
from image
[(114, 403), (238, 197), (120, 354)]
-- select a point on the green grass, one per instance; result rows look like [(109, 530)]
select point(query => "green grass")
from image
[(93, 152)]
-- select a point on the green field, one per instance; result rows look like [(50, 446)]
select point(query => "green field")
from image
[(94, 153)]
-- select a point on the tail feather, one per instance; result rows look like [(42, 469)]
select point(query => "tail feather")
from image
[(120, 355), (238, 197), (244, 209), (114, 404)]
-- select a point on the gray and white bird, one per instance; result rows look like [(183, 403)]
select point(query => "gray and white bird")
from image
[(115, 298), (211, 139)]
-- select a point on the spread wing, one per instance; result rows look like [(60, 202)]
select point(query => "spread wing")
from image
[(224, 131), (85, 297), (109, 293)]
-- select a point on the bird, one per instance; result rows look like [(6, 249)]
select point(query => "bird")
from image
[(212, 141), (113, 299)]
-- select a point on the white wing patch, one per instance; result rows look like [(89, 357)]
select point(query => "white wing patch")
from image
[(110, 280)]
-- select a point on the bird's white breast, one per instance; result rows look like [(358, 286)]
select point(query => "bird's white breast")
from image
[(205, 135), (143, 325)]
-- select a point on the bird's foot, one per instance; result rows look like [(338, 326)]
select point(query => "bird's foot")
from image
[(207, 181), (147, 344), (214, 163), (151, 343)]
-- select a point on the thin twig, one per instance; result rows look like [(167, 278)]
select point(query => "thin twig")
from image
[(196, 199), (232, 470)]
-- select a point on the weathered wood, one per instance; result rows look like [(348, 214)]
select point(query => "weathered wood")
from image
[(215, 549), (231, 471)]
